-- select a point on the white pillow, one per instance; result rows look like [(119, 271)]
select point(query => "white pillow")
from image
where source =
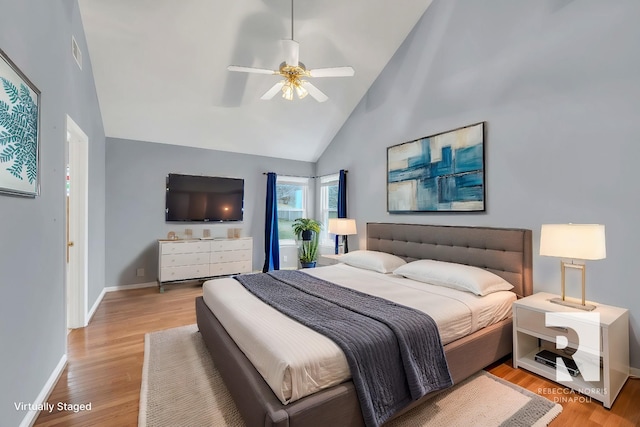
[(381, 262), (457, 276)]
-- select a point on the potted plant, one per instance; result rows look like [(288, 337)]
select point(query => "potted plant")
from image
[(308, 231)]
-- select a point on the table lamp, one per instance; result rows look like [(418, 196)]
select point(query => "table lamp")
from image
[(342, 227), (575, 242)]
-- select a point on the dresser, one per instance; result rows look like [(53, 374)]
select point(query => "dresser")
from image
[(201, 259)]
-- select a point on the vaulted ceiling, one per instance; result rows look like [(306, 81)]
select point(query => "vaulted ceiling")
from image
[(160, 68)]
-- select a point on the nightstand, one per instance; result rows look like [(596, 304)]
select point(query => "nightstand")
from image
[(530, 335), (328, 259)]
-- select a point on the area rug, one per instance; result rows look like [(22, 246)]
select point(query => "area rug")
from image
[(181, 387)]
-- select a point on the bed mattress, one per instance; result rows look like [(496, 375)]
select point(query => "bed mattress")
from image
[(296, 361)]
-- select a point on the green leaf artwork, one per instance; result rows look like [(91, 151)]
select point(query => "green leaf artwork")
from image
[(19, 132)]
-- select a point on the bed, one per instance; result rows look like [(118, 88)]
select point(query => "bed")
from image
[(505, 252)]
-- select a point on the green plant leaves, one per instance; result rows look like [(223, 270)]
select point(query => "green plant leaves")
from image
[(308, 250)]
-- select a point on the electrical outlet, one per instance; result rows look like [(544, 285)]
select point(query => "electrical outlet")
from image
[(285, 258), (140, 272)]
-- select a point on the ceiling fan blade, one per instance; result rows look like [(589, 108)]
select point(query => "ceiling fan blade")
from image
[(332, 72), (272, 92), (316, 93), (291, 52), (251, 70)]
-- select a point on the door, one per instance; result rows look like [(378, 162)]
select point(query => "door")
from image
[(76, 226)]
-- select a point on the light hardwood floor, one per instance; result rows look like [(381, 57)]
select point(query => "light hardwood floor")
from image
[(105, 365)]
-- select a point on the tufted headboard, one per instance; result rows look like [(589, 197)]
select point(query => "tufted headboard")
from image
[(506, 252)]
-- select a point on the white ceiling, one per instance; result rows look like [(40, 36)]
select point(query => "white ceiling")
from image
[(160, 68)]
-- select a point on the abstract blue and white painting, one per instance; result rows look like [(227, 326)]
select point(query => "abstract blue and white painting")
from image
[(19, 118), (443, 172)]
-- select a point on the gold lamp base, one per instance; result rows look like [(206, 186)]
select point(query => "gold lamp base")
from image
[(562, 300), (586, 307)]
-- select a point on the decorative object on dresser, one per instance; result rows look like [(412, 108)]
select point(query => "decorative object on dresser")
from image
[(573, 241), (20, 130), (438, 173), (234, 233), (602, 360), (201, 259), (343, 227)]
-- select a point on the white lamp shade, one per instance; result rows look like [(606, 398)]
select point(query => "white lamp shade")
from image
[(342, 226), (576, 241)]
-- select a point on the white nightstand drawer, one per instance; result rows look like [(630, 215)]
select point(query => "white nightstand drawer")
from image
[(534, 321)]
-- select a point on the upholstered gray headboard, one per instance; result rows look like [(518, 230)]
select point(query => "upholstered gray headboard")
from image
[(506, 252)]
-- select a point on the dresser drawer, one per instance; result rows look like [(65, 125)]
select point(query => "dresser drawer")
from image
[(176, 260), (231, 245), (534, 321), (225, 268), (168, 274), (184, 247), (230, 256)]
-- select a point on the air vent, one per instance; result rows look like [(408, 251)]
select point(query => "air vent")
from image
[(76, 52)]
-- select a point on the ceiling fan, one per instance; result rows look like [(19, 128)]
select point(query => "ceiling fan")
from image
[(293, 71)]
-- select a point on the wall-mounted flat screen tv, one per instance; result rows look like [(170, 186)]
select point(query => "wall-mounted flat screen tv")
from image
[(204, 198)]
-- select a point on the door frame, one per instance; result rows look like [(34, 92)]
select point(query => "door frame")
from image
[(76, 224)]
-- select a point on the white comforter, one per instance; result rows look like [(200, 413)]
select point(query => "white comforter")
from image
[(296, 361)]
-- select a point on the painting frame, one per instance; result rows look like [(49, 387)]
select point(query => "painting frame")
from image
[(19, 131), (443, 172)]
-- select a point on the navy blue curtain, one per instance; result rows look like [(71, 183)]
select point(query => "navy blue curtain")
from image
[(271, 243), (342, 203)]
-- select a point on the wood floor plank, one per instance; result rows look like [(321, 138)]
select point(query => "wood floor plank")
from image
[(105, 366)]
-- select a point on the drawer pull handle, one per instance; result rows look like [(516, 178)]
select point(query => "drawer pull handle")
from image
[(559, 328)]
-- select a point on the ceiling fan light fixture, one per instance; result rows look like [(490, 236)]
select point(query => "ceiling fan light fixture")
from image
[(293, 71), (301, 91), (287, 91)]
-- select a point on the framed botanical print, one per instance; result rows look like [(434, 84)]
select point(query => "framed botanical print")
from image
[(19, 131)]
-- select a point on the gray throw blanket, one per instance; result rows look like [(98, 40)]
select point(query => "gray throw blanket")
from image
[(394, 352)]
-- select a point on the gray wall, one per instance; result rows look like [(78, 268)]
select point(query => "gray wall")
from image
[(557, 84), (36, 35), (136, 173)]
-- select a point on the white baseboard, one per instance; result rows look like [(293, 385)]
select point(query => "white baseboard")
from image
[(32, 415), (95, 307), (113, 289), (133, 286), (634, 372)]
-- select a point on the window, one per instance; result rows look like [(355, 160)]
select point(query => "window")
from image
[(328, 206), (293, 196)]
